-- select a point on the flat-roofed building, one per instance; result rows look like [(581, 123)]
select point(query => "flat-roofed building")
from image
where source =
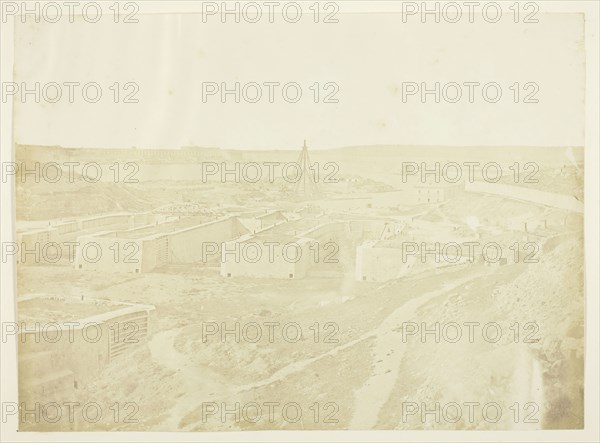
[(286, 250), (63, 341), (188, 240)]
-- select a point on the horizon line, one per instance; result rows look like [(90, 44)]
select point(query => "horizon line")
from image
[(295, 148)]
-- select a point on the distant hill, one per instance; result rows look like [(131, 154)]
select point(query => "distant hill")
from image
[(194, 153)]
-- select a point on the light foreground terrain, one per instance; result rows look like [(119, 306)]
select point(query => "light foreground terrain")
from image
[(368, 356)]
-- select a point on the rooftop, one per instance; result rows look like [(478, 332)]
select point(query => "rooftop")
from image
[(45, 308), (160, 228)]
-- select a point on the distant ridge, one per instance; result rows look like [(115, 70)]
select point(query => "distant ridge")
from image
[(381, 149)]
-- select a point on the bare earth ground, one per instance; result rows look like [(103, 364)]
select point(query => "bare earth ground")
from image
[(370, 371), (366, 378)]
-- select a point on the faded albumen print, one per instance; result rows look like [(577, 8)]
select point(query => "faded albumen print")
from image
[(249, 216)]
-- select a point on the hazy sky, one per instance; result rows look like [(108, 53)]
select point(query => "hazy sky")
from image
[(368, 55)]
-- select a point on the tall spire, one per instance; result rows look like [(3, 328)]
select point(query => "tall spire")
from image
[(308, 182)]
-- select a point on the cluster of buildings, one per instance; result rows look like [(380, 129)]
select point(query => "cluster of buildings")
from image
[(368, 233), (277, 244)]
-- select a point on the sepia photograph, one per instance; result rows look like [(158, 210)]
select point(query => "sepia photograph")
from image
[(299, 221)]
